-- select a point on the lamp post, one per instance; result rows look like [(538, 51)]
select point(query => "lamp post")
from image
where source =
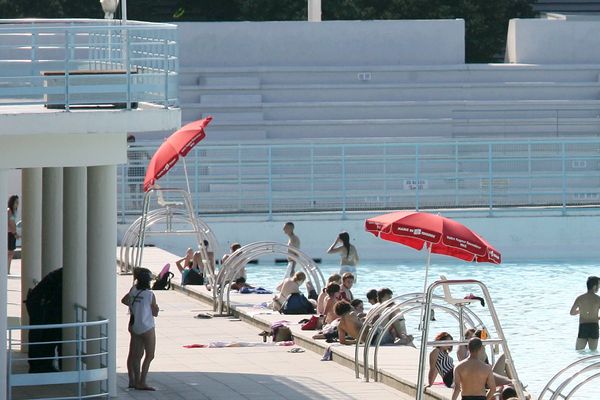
[(109, 7), (314, 10)]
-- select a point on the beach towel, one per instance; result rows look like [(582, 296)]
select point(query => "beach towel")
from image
[(257, 290)]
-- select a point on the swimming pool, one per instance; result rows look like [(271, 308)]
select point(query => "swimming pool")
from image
[(532, 302)]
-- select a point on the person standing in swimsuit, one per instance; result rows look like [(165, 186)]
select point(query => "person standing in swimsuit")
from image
[(293, 241), (349, 255), (471, 376), (587, 306), (13, 205)]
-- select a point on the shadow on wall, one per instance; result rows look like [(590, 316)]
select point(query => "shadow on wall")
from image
[(219, 385)]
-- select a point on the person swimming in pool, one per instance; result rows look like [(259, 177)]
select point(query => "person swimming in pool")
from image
[(587, 306)]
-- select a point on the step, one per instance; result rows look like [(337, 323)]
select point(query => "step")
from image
[(222, 116), (405, 74), (441, 92), (231, 99)]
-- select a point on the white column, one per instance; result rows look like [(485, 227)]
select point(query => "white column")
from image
[(101, 265), (3, 278), (31, 232), (52, 219), (314, 10), (74, 251)]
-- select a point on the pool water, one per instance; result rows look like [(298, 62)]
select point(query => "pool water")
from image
[(532, 301)]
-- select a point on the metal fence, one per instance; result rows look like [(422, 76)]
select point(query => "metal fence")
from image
[(87, 374), (81, 62), (279, 178)]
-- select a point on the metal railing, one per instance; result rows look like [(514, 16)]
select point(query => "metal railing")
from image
[(84, 62), (562, 174), (89, 360)]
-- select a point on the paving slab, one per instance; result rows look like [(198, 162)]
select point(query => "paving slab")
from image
[(397, 365), (262, 372)]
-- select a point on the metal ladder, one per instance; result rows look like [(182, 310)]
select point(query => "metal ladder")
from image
[(498, 328), (171, 214), (580, 373)]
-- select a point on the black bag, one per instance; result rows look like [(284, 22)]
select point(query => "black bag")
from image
[(297, 303), (193, 277), (164, 282)]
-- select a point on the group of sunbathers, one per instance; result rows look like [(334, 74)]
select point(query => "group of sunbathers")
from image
[(473, 377)]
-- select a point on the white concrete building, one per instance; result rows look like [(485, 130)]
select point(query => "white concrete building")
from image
[(67, 133)]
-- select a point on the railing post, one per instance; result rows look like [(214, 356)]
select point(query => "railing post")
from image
[(128, 66), (270, 177), (490, 180), (312, 176), (385, 185), (456, 185), (529, 171), (123, 189), (417, 192), (343, 182), (564, 178), (67, 59), (166, 66), (9, 366), (239, 175)]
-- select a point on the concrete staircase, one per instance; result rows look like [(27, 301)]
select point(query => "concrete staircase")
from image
[(483, 101)]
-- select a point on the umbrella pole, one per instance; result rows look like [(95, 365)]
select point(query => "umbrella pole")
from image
[(421, 323), (187, 181)]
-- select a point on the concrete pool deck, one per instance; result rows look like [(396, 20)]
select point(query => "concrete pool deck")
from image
[(257, 373), (397, 365)]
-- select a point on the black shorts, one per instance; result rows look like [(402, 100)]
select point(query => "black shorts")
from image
[(448, 378), (473, 397), (12, 241), (588, 331)]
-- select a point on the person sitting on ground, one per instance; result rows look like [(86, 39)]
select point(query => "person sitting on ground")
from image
[(240, 283), (397, 333), (333, 296), (233, 248), (462, 352), (191, 268), (372, 296), (508, 393), (349, 323), (210, 263), (335, 278), (440, 362), (287, 287), (472, 376), (359, 308), (347, 282)]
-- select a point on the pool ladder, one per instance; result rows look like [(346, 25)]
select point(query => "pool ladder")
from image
[(572, 378), (390, 312)]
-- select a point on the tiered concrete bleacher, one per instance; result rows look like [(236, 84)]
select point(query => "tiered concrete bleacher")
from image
[(495, 100)]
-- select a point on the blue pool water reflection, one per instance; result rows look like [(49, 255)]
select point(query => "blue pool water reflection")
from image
[(532, 302)]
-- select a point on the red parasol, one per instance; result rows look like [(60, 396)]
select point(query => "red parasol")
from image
[(442, 235), (178, 144)]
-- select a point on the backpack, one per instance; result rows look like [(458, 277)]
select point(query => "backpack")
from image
[(297, 303), (163, 282)]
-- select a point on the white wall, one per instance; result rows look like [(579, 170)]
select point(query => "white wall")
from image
[(328, 43), (552, 41), (530, 238)]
